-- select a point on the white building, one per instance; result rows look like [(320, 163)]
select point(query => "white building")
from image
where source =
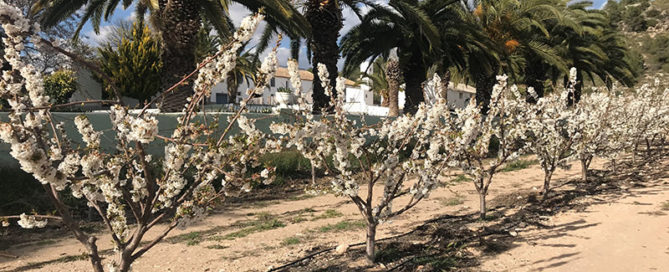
[(459, 95), (354, 93)]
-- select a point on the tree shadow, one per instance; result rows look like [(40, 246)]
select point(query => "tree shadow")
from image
[(443, 243)]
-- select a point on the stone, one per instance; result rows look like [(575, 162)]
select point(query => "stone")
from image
[(341, 249)]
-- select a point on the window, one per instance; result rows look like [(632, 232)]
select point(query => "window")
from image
[(221, 98), (271, 82), (460, 95)]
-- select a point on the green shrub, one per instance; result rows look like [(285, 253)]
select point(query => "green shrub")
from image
[(134, 64), (60, 86)]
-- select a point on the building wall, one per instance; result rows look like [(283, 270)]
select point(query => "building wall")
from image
[(358, 94), (458, 99)]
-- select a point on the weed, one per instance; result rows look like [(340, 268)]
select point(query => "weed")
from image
[(518, 165), (343, 226), (293, 240), (297, 219), (453, 201), (263, 222), (216, 246), (327, 214), (460, 179), (193, 238), (665, 206)]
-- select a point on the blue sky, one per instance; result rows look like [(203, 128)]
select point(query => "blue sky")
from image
[(237, 13)]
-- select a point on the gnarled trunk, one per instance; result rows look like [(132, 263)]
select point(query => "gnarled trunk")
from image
[(547, 182), (393, 74), (482, 208), (180, 22), (325, 18), (370, 244)]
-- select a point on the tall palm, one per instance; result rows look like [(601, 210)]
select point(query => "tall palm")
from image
[(517, 29), (411, 27), (325, 18), (178, 22), (598, 52)]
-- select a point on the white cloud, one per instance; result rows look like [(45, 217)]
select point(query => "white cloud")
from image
[(98, 38)]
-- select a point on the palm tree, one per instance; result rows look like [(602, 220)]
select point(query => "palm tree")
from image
[(325, 18), (245, 71), (178, 22), (517, 31), (376, 79), (598, 52), (416, 29)]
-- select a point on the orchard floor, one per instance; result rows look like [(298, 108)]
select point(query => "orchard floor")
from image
[(618, 221)]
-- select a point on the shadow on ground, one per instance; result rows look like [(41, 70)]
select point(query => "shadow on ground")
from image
[(446, 243)]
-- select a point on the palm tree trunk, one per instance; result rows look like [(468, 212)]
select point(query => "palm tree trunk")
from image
[(484, 85), (445, 81), (180, 22), (393, 75), (535, 77), (414, 76), (326, 21), (232, 88)]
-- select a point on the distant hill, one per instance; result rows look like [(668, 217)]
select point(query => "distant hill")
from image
[(646, 24)]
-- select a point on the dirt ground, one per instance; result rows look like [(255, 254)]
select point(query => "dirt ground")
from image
[(613, 223)]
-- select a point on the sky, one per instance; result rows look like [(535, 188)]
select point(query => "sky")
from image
[(238, 12)]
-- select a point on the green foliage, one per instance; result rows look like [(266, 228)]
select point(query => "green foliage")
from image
[(288, 163), (293, 240), (518, 165), (656, 50), (134, 64), (263, 222), (343, 226), (60, 86), (283, 90)]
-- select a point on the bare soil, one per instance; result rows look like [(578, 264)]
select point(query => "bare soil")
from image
[(617, 221)]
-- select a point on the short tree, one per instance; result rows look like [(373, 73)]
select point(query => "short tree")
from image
[(369, 156), (505, 123), (175, 189)]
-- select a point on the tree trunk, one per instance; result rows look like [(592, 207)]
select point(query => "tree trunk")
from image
[(484, 85), (326, 22), (483, 209), (547, 182), (385, 98), (535, 77), (371, 242), (232, 88), (93, 255), (584, 169), (445, 81), (576, 96), (414, 76), (180, 22), (393, 75)]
